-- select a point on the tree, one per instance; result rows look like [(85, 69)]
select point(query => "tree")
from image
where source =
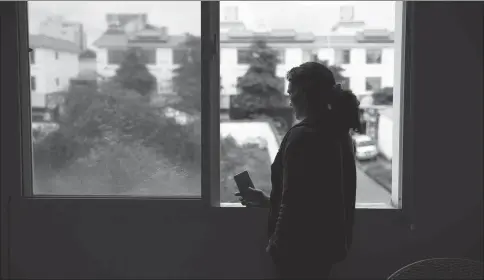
[(187, 80), (383, 96), (260, 88), (133, 74)]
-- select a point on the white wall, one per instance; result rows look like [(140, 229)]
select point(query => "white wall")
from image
[(47, 69), (385, 136)]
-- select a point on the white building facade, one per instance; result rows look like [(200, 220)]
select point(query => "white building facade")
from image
[(160, 49), (53, 62), (366, 56)]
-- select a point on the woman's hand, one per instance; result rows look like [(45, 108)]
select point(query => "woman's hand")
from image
[(253, 198)]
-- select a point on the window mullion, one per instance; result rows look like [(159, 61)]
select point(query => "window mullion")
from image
[(210, 103)]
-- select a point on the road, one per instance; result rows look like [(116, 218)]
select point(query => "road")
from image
[(369, 191)]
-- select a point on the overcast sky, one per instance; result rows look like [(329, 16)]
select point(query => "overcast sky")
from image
[(184, 16)]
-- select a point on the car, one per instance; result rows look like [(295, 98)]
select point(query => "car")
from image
[(366, 148)]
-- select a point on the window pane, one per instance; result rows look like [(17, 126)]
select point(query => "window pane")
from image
[(333, 33), (115, 116), (373, 56)]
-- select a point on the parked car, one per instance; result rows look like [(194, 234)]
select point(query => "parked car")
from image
[(366, 148)]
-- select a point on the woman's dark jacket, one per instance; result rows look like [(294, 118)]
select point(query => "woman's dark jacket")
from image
[(312, 202)]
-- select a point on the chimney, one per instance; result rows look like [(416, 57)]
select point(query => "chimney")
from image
[(231, 14), (346, 13)]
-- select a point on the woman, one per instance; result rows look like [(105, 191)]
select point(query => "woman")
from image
[(313, 178)]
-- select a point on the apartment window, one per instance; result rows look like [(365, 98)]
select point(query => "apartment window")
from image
[(33, 83), (56, 54), (125, 146), (255, 143), (243, 56), (281, 56), (373, 84), (345, 83), (148, 56), (343, 57), (373, 56), (32, 56), (115, 57), (130, 149), (179, 55)]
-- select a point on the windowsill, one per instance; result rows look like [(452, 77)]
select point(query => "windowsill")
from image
[(381, 205)]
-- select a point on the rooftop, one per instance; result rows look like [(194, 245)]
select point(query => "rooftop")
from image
[(46, 42)]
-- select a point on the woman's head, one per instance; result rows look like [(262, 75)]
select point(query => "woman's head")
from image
[(314, 92)]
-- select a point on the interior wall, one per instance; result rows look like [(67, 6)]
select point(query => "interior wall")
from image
[(64, 239)]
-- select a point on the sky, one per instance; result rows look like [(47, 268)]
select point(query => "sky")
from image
[(184, 16)]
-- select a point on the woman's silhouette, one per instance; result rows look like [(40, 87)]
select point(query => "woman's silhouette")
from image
[(313, 177)]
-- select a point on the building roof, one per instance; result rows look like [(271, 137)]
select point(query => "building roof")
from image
[(46, 42)]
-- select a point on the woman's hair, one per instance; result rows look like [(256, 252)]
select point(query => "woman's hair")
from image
[(318, 84)]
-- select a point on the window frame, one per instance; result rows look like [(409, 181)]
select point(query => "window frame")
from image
[(17, 50)]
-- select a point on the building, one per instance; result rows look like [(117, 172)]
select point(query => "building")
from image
[(133, 30), (385, 133), (366, 55), (57, 27), (53, 63)]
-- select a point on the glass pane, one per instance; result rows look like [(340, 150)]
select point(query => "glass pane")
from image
[(112, 113), (257, 115)]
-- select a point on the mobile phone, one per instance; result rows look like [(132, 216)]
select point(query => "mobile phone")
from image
[(243, 181)]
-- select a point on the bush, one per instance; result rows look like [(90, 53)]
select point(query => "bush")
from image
[(236, 158), (105, 170), (108, 139)]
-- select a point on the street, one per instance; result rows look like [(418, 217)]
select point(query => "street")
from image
[(369, 191)]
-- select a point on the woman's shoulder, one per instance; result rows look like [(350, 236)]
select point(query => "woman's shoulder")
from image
[(303, 135)]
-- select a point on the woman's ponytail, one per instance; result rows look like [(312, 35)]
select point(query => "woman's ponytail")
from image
[(345, 106)]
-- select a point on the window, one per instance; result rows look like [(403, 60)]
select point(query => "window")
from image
[(343, 56), (373, 56), (32, 56), (56, 54), (178, 55), (250, 141), (281, 55), (33, 83), (130, 147), (108, 140), (115, 57), (345, 83), (373, 84), (148, 56), (243, 56)]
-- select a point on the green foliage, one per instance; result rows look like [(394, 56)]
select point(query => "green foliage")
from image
[(187, 80), (260, 87), (383, 97), (133, 74), (236, 158), (111, 138)]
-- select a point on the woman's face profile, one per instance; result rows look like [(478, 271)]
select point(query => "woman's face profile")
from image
[(298, 101)]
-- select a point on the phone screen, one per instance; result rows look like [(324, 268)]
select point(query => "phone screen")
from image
[(243, 181)]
